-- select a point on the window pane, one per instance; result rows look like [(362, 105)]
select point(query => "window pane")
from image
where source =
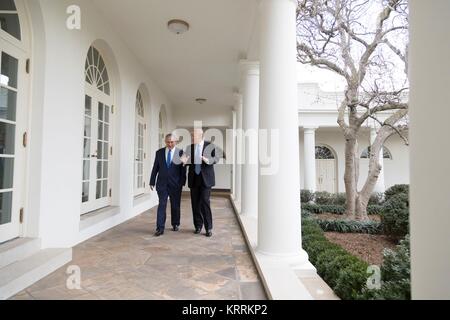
[(86, 165), (7, 5), (8, 100), (88, 106), (6, 173), (9, 22), (99, 169), (100, 131), (87, 127), (106, 88), (106, 135), (99, 150), (98, 192), (105, 188), (87, 148), (105, 151), (107, 111), (85, 192), (7, 138), (5, 207), (9, 70), (100, 111), (105, 170)]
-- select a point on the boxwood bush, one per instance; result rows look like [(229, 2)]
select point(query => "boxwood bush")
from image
[(306, 196), (395, 215), (396, 189), (351, 226), (336, 209)]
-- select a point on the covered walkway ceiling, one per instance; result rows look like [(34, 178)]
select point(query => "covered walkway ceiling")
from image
[(200, 63)]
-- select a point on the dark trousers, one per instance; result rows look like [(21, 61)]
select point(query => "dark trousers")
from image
[(175, 198), (201, 208)]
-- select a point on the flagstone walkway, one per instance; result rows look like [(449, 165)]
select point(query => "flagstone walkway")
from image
[(128, 262)]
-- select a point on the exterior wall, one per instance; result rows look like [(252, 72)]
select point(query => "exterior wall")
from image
[(62, 110), (396, 170)]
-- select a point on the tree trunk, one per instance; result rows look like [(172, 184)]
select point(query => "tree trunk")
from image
[(350, 176)]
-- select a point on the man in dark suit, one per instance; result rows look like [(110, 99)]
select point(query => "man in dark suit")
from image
[(171, 175), (200, 158)]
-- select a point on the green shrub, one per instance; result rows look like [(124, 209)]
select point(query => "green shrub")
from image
[(374, 209), (395, 274), (394, 190), (323, 197), (306, 196), (376, 199), (351, 226), (395, 215), (339, 199), (344, 273)]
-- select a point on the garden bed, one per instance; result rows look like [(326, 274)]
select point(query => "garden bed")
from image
[(367, 247), (332, 216)]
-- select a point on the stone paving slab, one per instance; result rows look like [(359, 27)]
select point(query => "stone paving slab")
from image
[(128, 262)]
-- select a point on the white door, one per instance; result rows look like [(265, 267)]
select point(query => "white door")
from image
[(13, 120), (326, 175), (139, 181), (97, 151)]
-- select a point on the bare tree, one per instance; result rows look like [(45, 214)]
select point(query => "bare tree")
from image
[(364, 42)]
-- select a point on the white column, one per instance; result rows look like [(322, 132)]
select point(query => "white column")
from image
[(379, 187), (238, 198), (250, 121), (233, 147), (279, 228), (429, 67), (309, 145)]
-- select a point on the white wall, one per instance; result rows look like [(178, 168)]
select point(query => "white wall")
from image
[(396, 170), (62, 110)]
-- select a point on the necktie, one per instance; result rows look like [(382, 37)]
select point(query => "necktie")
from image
[(169, 159), (198, 160)]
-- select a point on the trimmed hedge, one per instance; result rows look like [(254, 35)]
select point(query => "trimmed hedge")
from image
[(306, 196), (350, 226), (395, 215), (344, 273), (394, 190), (336, 209), (347, 275)]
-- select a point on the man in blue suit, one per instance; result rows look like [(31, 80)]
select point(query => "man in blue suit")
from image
[(170, 177)]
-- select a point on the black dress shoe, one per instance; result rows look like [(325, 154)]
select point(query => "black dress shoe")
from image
[(197, 231), (209, 233), (176, 228), (159, 233)]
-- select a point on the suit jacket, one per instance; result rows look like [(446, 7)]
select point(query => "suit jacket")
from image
[(173, 177), (207, 172)]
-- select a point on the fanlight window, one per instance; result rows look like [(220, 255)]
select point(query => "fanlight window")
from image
[(139, 105), (95, 70), (9, 18), (323, 152), (386, 153)]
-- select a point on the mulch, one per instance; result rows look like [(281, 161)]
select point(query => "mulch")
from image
[(368, 247)]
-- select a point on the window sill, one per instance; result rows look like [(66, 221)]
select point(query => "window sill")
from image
[(89, 219)]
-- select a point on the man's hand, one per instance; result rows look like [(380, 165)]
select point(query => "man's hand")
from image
[(205, 159), (184, 159), (152, 188)]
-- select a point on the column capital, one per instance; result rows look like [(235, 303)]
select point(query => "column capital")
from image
[(249, 67), (310, 129)]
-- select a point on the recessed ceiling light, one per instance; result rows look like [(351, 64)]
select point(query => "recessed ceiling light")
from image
[(178, 26), (201, 100)]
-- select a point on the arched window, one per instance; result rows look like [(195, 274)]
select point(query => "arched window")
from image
[(386, 153), (161, 130), (323, 152), (9, 18), (95, 70), (97, 151), (139, 146)]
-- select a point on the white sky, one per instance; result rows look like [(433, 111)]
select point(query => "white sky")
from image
[(327, 80)]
